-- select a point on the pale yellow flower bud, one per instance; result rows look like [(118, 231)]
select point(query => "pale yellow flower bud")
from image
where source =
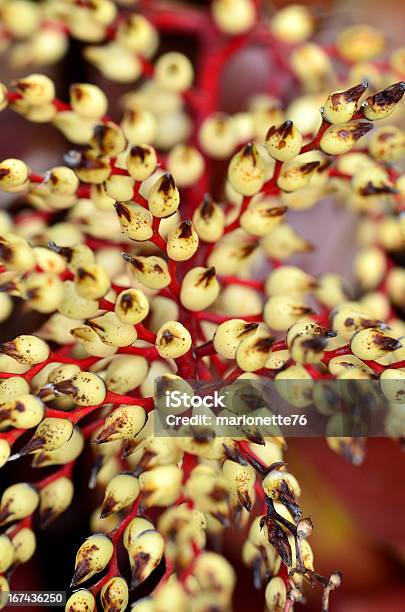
[(173, 340), (182, 242), (120, 188), (282, 311), (141, 161), (114, 595), (73, 305), (152, 271), (145, 553), (43, 291), (15, 252), (186, 164), (112, 331), (81, 601), (383, 103), (341, 138), (234, 16), (289, 280), (276, 595), (340, 106), (161, 485), (214, 573), (174, 71), (124, 422), (373, 344), (17, 502), (6, 553), (295, 175), (163, 197), (49, 435), (91, 281), (26, 349), (209, 220), (88, 100), (229, 334), (132, 306), (260, 217), (252, 352), (85, 388), (370, 265), (284, 141), (135, 220), (108, 139), (121, 491), (199, 288), (217, 137), (293, 24), (92, 557), (91, 342), (65, 454), (246, 171), (56, 497)]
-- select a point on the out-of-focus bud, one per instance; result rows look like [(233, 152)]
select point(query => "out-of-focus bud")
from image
[(186, 164), (283, 241), (17, 502), (15, 252), (173, 340), (349, 317), (137, 34), (370, 265), (77, 256), (311, 64), (119, 187), (85, 388), (199, 288), (246, 171), (112, 331), (217, 136), (330, 290), (134, 529), (124, 422), (293, 24), (282, 311), (383, 103), (12, 387), (24, 544), (341, 138), (65, 454), (92, 168), (36, 89), (55, 498), (88, 100), (161, 486), (141, 161), (295, 175), (121, 491), (108, 139), (182, 242), (387, 143), (290, 280), (125, 372), (340, 106), (229, 334), (132, 306), (145, 553), (276, 595), (360, 43), (174, 71), (209, 220), (81, 601), (283, 142), (6, 553), (49, 435), (152, 271), (171, 597), (4, 450), (282, 486), (260, 217), (372, 181), (91, 281), (373, 344), (163, 197), (14, 175), (114, 595), (235, 16), (214, 573), (92, 557)]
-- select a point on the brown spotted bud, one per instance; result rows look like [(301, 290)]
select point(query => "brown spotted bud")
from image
[(229, 334), (92, 557), (182, 242), (14, 175), (145, 553), (17, 502), (92, 168), (62, 181), (36, 89), (383, 103), (81, 601), (6, 553), (85, 388), (49, 435), (91, 342), (163, 197), (43, 291), (124, 422), (132, 306), (341, 138), (282, 311), (161, 485), (121, 491), (276, 595), (135, 220), (199, 288), (284, 141), (150, 271), (340, 106), (108, 139), (373, 344), (209, 220), (252, 352), (64, 454), (246, 171), (114, 595), (88, 100), (214, 573), (141, 161), (23, 412), (241, 480), (76, 257), (112, 331), (55, 498), (260, 217), (24, 544), (173, 340), (15, 252), (295, 175), (91, 281)]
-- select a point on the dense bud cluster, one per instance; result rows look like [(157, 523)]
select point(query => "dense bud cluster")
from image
[(149, 262)]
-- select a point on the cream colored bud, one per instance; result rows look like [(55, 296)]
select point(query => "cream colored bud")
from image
[(6, 307), (282, 311), (161, 485), (260, 217), (241, 480), (182, 242), (383, 103), (252, 352), (396, 285), (174, 71), (119, 187), (100, 198), (209, 220), (145, 553), (163, 197), (146, 604), (372, 181), (13, 387), (43, 291), (137, 34), (134, 529), (139, 125), (132, 306), (62, 181), (6, 553), (55, 498), (15, 252), (135, 220), (217, 137), (214, 573), (360, 43), (73, 305), (340, 106), (125, 372), (77, 256), (14, 175), (234, 16), (141, 161), (24, 411), (298, 390), (112, 331), (229, 334), (91, 281), (330, 290), (85, 388), (65, 454), (199, 288), (124, 422), (173, 340), (121, 491), (246, 171), (49, 435), (88, 100), (114, 595), (293, 24), (92, 557), (36, 89), (186, 165), (108, 139), (24, 545), (370, 265), (373, 344), (5, 450), (152, 271), (280, 485), (295, 175), (92, 168), (26, 349), (17, 502), (349, 317), (81, 601), (276, 595), (341, 138), (392, 383), (284, 141), (387, 143), (289, 280)]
